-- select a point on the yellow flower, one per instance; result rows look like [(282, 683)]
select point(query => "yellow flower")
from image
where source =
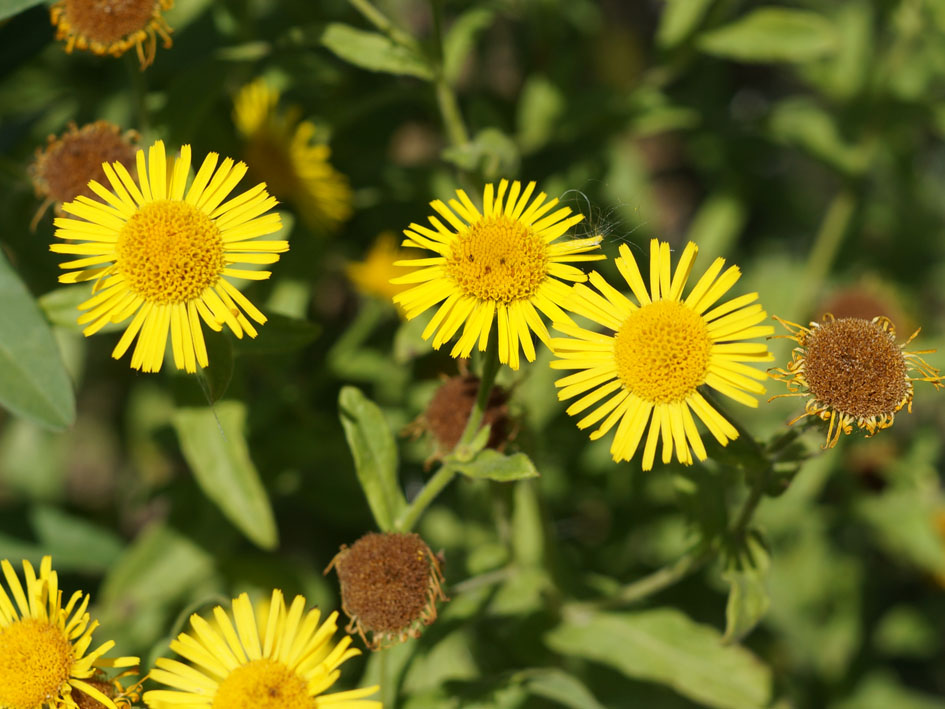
[(499, 264), (852, 372), (162, 253), (113, 26), (283, 151), (663, 348), (373, 275), (282, 659), (44, 648)]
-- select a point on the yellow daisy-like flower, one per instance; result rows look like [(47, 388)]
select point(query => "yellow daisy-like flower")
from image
[(44, 648), (501, 264), (113, 26), (852, 372), (284, 152), (162, 252), (373, 275), (663, 348), (282, 659)]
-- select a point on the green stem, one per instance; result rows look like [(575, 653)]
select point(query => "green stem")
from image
[(445, 96), (658, 580), (383, 23), (447, 471), (387, 698), (833, 228)]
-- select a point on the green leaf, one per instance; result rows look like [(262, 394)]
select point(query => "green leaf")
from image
[(374, 52), (772, 34), (665, 646), (560, 687), (879, 690), (539, 109), (74, 543), (33, 381), (9, 8), (491, 152), (375, 455), (800, 122), (493, 465), (717, 224), (748, 599), (61, 307), (214, 446), (679, 20), (460, 38)]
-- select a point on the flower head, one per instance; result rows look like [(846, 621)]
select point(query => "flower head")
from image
[(113, 26), (281, 658), (500, 265), (161, 253), (448, 411), (62, 171), (285, 152), (851, 371), (373, 275), (663, 349), (390, 584), (44, 648)]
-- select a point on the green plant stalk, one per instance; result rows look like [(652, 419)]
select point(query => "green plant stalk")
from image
[(823, 253), (383, 23), (445, 96), (447, 471)]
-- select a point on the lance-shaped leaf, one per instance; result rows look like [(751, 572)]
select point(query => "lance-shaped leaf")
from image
[(374, 52), (493, 465)]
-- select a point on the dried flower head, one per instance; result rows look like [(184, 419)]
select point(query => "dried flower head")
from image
[(852, 372), (390, 584), (123, 698), (63, 169), (448, 411), (113, 26)]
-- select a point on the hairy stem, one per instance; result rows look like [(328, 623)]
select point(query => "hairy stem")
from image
[(833, 228), (445, 96), (383, 23)]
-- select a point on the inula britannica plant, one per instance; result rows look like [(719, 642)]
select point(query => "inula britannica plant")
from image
[(592, 379)]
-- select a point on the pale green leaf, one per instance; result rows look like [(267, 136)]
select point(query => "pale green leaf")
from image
[(9, 8), (375, 455), (539, 110), (214, 446), (665, 646), (748, 599), (772, 34), (74, 542), (33, 381), (560, 687), (373, 51), (493, 465), (679, 20), (460, 38)]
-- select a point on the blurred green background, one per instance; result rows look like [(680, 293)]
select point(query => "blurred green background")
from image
[(801, 140)]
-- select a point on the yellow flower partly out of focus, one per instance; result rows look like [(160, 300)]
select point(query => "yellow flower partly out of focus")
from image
[(161, 252), (44, 648), (851, 371), (113, 26), (646, 372), (283, 151), (372, 276), (278, 659), (500, 266)]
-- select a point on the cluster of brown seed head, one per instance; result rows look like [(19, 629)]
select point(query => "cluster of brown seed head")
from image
[(390, 584), (448, 411)]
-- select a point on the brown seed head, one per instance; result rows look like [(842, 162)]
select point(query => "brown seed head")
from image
[(449, 409), (856, 367), (61, 172), (389, 586), (84, 701)]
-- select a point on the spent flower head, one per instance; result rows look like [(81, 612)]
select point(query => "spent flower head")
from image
[(390, 584), (161, 253), (648, 370), (113, 26), (852, 373)]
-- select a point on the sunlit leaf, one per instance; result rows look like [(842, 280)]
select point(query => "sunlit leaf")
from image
[(373, 51), (772, 34), (493, 465)]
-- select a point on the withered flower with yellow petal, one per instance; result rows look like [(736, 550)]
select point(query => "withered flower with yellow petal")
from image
[(852, 372), (390, 584), (113, 26)]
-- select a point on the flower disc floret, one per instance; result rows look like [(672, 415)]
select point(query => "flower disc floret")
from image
[(498, 267), (645, 377), (113, 26), (170, 252), (662, 352), (262, 684), (35, 662)]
